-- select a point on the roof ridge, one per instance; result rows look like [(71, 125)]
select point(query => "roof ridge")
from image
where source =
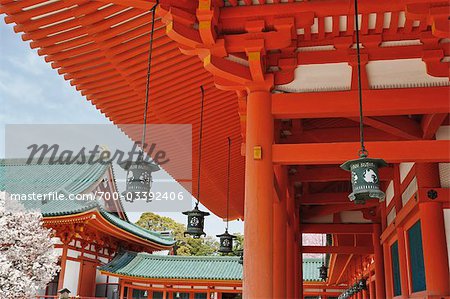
[(188, 257)]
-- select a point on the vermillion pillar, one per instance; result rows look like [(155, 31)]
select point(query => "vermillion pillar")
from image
[(433, 233), (402, 262), (290, 259), (297, 267), (434, 249), (279, 235), (258, 225), (372, 290), (379, 263), (290, 249), (300, 265)]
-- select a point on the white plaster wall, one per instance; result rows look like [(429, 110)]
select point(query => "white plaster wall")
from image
[(409, 191), (404, 170), (73, 253), (389, 192), (100, 278), (447, 231), (71, 276), (444, 168), (89, 255), (401, 73), (113, 279), (391, 216), (320, 77)]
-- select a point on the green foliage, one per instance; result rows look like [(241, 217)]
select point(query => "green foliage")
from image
[(238, 242), (185, 245)]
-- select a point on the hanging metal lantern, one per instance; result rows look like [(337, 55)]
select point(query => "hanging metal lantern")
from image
[(196, 218), (323, 272), (139, 178), (362, 283), (139, 172), (364, 171), (226, 242), (196, 222), (365, 181)]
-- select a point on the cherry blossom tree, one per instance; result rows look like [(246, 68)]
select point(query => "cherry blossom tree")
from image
[(28, 259)]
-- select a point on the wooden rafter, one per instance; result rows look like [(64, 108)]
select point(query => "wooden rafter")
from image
[(400, 126)]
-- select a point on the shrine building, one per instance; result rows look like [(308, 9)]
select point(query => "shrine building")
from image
[(300, 87)]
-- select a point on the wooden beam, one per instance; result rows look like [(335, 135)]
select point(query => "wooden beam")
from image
[(337, 153), (324, 198), (377, 102), (323, 210), (338, 249), (431, 123), (399, 125), (332, 174), (335, 228)]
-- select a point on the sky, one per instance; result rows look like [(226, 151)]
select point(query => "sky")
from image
[(31, 92)]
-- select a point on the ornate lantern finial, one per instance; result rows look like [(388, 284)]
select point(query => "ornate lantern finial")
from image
[(226, 240), (139, 172), (196, 218), (364, 171)]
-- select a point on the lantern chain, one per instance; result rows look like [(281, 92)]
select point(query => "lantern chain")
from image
[(363, 152), (149, 67), (200, 144), (228, 179)]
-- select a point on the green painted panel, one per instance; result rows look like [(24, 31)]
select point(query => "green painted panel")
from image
[(416, 258), (396, 269)]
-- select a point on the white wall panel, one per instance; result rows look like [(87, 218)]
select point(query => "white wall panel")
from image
[(447, 231), (71, 276)]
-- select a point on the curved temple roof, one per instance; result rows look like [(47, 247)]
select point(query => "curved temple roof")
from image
[(17, 177), (102, 49), (148, 266)]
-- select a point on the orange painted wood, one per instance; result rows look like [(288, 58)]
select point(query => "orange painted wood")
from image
[(379, 262), (431, 123), (279, 233), (86, 280), (402, 257), (338, 249), (335, 228), (434, 249), (377, 102), (337, 153), (258, 270), (330, 174)]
